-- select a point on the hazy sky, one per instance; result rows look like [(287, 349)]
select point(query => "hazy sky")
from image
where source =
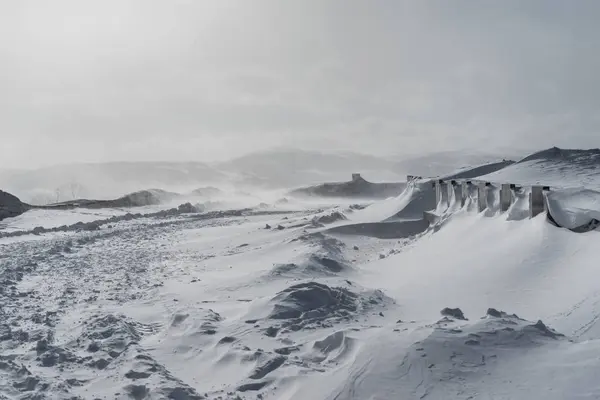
[(84, 80)]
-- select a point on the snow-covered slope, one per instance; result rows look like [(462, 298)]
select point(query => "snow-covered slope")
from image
[(553, 167), (303, 301)]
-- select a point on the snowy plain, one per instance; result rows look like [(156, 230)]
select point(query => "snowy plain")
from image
[(273, 302)]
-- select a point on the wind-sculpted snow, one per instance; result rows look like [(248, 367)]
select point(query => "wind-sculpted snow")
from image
[(183, 210), (315, 300), (586, 158), (454, 358), (575, 209), (326, 259), (553, 167), (394, 218), (327, 219), (475, 172), (306, 304)]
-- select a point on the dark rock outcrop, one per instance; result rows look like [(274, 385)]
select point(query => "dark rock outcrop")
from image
[(11, 206), (453, 313), (358, 187)]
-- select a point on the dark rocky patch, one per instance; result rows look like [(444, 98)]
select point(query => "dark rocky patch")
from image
[(253, 386), (11, 206), (268, 367), (312, 304), (329, 219), (227, 339), (356, 188), (286, 351), (453, 313)]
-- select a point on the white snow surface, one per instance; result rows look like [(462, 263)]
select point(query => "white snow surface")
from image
[(572, 208), (269, 304), (555, 173)]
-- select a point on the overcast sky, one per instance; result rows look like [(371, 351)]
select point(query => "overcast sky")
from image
[(103, 80)]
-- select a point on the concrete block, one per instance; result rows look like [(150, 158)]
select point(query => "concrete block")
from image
[(506, 197), (481, 197), (458, 192), (444, 198), (545, 189), (465, 192), (536, 201)]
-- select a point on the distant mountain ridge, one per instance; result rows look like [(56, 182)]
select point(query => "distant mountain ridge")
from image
[(554, 166), (358, 187), (272, 169)]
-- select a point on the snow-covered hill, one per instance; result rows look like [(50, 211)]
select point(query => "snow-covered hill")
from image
[(268, 170), (295, 300), (554, 167)]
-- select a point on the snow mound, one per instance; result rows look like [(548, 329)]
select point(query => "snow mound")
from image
[(453, 354), (393, 218), (410, 204), (325, 259), (421, 198), (574, 209), (313, 305), (327, 219), (455, 359), (314, 266), (191, 327)]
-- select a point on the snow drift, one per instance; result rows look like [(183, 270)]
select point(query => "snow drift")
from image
[(279, 301)]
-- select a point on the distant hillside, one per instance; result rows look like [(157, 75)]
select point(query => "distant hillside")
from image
[(290, 168), (269, 169), (105, 180), (439, 164), (274, 169), (356, 188)]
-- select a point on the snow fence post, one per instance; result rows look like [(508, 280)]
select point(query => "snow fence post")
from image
[(481, 197), (444, 194), (459, 194), (545, 189), (441, 192), (505, 197), (536, 201), (465, 192)]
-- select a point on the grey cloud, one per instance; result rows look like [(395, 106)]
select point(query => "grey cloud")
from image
[(181, 79)]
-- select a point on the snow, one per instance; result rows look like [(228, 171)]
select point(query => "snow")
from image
[(547, 172), (53, 218), (278, 302), (572, 208)]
